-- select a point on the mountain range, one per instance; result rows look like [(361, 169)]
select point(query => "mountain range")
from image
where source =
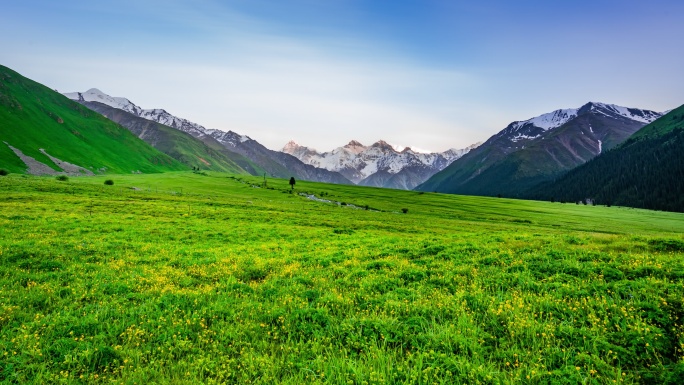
[(647, 171), (178, 144), (44, 133), (378, 165), (527, 153), (599, 152), (241, 150)]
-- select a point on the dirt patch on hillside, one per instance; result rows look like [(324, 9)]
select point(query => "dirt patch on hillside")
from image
[(71, 169), (33, 166)]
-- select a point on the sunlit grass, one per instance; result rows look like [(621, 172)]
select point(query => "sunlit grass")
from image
[(192, 278)]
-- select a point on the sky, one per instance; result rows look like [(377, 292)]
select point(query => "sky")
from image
[(429, 74)]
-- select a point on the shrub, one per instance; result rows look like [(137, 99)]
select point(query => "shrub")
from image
[(62, 178), (109, 182), (404, 210), (3, 172)]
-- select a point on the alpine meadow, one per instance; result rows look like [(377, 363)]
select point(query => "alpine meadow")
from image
[(206, 277), (346, 192)]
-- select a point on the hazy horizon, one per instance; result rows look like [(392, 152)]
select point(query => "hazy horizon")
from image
[(431, 75)]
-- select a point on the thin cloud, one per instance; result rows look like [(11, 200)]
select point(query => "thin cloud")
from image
[(275, 79)]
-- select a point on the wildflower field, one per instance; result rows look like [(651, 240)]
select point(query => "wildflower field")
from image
[(210, 278)]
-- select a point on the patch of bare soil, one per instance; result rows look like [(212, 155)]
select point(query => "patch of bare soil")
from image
[(34, 167), (71, 169)]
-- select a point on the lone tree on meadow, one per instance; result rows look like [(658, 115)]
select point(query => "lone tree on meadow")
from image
[(292, 183)]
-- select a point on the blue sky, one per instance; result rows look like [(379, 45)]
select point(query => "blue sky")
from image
[(432, 74)]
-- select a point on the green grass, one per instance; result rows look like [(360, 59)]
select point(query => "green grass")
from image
[(179, 145), (193, 153), (668, 123), (192, 278), (33, 116)]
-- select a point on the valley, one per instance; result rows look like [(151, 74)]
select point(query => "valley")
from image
[(209, 277), (121, 265)]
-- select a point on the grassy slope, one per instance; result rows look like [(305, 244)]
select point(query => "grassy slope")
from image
[(177, 144), (491, 172), (33, 116), (673, 119), (647, 170), (454, 175), (230, 283), (244, 162)]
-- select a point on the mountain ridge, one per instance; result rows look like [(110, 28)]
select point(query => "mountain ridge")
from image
[(377, 164), (265, 159), (538, 149), (645, 171), (43, 132), (178, 144)]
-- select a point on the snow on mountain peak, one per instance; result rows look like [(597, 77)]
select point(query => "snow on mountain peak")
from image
[(156, 114), (530, 129), (357, 162), (643, 116), (95, 95), (550, 120)]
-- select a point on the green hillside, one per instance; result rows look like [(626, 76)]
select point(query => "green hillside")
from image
[(507, 167), (672, 121), (188, 278), (244, 162), (646, 171), (177, 144), (34, 117)]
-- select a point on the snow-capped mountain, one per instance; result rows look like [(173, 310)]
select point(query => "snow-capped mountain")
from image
[(535, 127), (532, 151), (275, 163), (95, 95), (156, 114), (366, 164)]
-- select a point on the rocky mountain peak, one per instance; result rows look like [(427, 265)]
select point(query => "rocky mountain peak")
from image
[(156, 114), (354, 143), (614, 111), (379, 165), (291, 145), (94, 91), (381, 144)]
